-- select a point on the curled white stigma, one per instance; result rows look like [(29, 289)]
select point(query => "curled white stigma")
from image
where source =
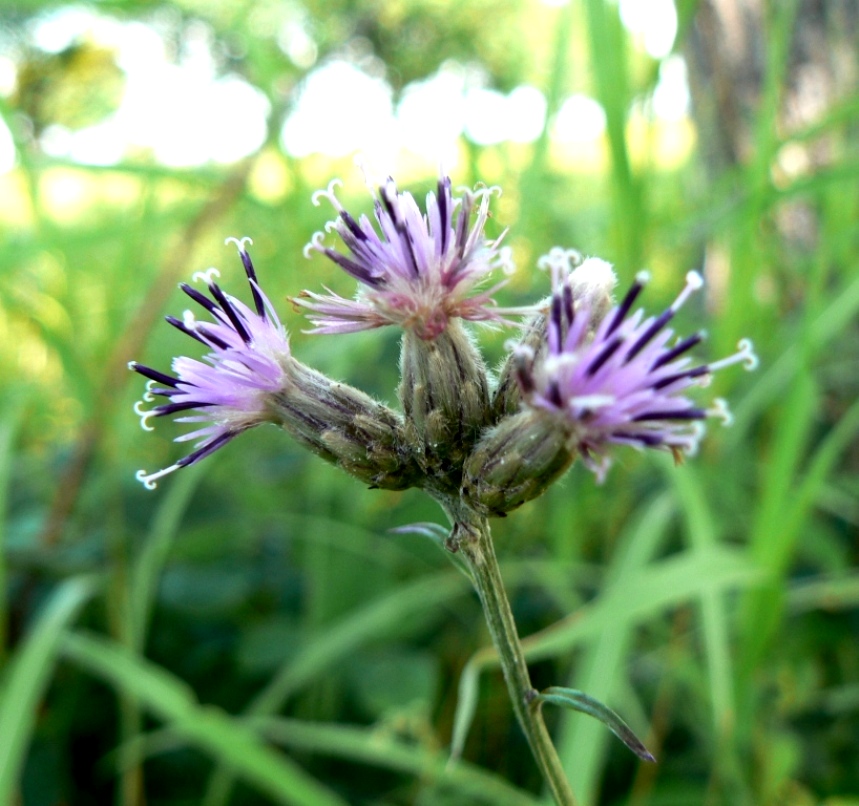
[(206, 276), (314, 244), (147, 395), (480, 191), (559, 363), (240, 242), (747, 352), (642, 277), (745, 355), (721, 412), (189, 320), (690, 442), (698, 431), (559, 259), (148, 479), (144, 415), (328, 193)]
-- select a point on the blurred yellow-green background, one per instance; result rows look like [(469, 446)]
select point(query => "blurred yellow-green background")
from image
[(252, 631)]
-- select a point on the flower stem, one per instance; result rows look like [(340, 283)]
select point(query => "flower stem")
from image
[(472, 538)]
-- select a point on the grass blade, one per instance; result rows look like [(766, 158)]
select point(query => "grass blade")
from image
[(227, 739), (472, 784), (601, 672), (647, 593), (28, 674), (335, 644)]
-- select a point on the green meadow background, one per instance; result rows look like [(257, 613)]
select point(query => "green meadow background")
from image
[(252, 631)]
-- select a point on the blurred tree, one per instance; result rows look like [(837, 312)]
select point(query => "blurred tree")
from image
[(731, 51), (76, 87)]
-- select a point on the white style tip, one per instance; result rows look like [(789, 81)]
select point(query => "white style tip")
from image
[(314, 244), (240, 242), (148, 479), (328, 193), (207, 277), (720, 411), (144, 416)]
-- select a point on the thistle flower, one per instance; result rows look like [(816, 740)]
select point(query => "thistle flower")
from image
[(422, 270), (625, 384), (229, 391), (250, 377), (590, 285), (592, 384)]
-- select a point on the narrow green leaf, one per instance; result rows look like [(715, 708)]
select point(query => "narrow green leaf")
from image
[(151, 561), (702, 530), (579, 701), (471, 783), (830, 449), (28, 674), (226, 738), (438, 534), (336, 643), (8, 430), (770, 545), (646, 594), (779, 374), (602, 668), (830, 593), (466, 700), (375, 746)]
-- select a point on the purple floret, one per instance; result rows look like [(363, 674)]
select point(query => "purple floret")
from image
[(229, 388), (418, 270), (620, 381)]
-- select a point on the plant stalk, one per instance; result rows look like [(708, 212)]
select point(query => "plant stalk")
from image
[(472, 538)]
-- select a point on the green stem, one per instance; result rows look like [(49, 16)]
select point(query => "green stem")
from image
[(471, 537)]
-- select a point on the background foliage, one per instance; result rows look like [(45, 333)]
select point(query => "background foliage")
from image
[(252, 632)]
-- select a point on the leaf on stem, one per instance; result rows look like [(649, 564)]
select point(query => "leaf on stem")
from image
[(579, 701)]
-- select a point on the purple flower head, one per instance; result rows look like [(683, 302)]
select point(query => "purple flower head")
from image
[(420, 272), (624, 384), (228, 390)]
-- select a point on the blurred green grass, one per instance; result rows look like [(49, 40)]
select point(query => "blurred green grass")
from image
[(253, 632)]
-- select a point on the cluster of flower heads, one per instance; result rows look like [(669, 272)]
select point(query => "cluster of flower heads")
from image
[(599, 376)]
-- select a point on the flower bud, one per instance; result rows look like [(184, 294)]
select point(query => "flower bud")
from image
[(515, 462), (445, 397), (587, 287), (345, 427), (507, 395)]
